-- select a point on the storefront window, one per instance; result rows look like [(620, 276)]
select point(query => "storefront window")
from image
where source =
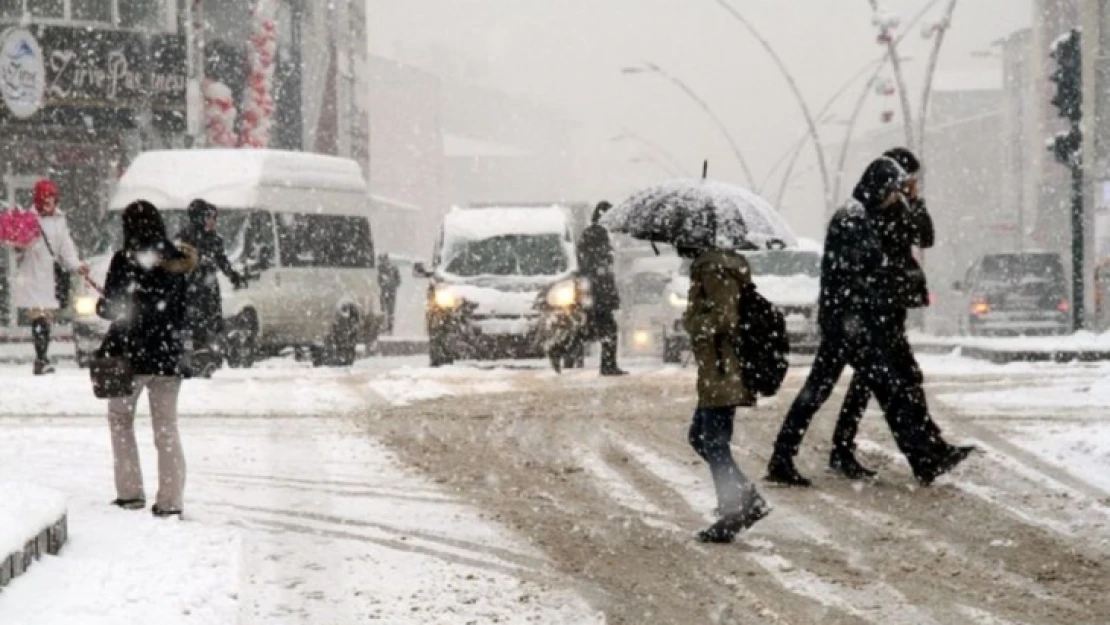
[(91, 10), (47, 8), (11, 8), (140, 13)]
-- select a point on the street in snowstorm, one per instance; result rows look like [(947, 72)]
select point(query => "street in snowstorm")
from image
[(589, 312), (505, 493)]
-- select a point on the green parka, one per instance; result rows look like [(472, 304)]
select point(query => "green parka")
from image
[(712, 320)]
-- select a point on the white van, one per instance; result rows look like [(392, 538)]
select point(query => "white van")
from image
[(489, 268), (297, 224)]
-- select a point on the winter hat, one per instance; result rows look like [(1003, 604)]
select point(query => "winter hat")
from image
[(199, 211), (906, 159), (881, 177), (43, 189)]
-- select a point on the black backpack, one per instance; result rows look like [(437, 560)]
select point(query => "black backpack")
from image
[(763, 344)]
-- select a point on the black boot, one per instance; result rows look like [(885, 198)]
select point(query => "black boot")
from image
[(843, 462), (163, 513), (949, 461), (781, 471), (725, 530), (130, 504), (40, 336)]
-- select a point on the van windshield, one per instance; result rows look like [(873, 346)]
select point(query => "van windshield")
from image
[(508, 255), (229, 225)]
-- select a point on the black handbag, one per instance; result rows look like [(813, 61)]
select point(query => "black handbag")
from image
[(110, 367)]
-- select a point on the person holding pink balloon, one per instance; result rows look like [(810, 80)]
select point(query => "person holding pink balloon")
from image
[(40, 239)]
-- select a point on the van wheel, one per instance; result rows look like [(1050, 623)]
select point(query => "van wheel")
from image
[(242, 341), (672, 351)]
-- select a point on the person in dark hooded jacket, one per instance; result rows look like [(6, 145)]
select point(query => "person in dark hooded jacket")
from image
[(861, 297), (145, 299), (906, 225), (205, 315), (595, 261)]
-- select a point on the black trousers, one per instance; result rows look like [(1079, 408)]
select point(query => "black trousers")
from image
[(898, 392), (603, 328), (858, 396), (710, 435)]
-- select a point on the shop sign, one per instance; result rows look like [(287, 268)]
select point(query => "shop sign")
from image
[(114, 69), (22, 72)]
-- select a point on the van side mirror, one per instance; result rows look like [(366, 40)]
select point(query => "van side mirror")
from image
[(419, 270)]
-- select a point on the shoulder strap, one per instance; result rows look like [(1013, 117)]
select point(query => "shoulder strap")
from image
[(46, 240)]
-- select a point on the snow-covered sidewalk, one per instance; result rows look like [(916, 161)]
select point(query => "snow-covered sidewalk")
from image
[(295, 518)]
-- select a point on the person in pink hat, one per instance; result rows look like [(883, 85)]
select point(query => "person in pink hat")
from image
[(34, 287)]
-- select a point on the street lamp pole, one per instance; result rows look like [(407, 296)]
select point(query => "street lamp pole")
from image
[(939, 29), (652, 68), (811, 122), (660, 151)]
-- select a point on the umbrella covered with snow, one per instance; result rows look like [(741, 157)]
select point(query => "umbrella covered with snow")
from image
[(700, 213)]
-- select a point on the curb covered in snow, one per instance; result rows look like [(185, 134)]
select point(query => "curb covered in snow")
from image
[(1001, 355), (33, 523)]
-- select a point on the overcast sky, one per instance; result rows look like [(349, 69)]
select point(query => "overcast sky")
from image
[(569, 53)]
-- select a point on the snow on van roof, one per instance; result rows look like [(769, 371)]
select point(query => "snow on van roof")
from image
[(231, 177), (484, 223)]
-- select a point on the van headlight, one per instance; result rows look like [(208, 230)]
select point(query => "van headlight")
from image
[(85, 306), (563, 294), (446, 299), (676, 300)]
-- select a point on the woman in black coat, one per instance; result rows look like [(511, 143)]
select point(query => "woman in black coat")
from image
[(145, 299)]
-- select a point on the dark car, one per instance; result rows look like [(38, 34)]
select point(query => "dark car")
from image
[(1016, 294)]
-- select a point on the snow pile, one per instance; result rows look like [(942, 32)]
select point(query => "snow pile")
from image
[(26, 510), (1080, 341)]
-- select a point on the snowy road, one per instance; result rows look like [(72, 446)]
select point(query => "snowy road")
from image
[(396, 494)]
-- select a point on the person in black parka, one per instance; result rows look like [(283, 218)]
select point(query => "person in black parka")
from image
[(205, 315), (145, 299), (906, 225), (862, 296), (595, 262)]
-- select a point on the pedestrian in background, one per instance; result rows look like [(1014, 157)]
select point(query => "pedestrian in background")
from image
[(145, 298), (35, 282), (389, 281), (595, 262), (205, 318)]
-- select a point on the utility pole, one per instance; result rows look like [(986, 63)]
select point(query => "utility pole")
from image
[(1067, 146)]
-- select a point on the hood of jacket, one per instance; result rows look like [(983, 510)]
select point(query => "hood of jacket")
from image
[(881, 177)]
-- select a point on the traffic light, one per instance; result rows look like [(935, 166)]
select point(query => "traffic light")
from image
[(1068, 76)]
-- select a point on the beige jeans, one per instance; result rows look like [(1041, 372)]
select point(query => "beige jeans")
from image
[(162, 393)]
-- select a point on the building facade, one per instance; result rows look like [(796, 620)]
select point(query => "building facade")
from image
[(87, 84)]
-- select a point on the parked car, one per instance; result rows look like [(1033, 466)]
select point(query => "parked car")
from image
[(490, 266), (1015, 294), (789, 278), (297, 224)]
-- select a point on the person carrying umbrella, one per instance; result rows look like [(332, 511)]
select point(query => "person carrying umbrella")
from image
[(595, 261), (860, 300), (705, 223)]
